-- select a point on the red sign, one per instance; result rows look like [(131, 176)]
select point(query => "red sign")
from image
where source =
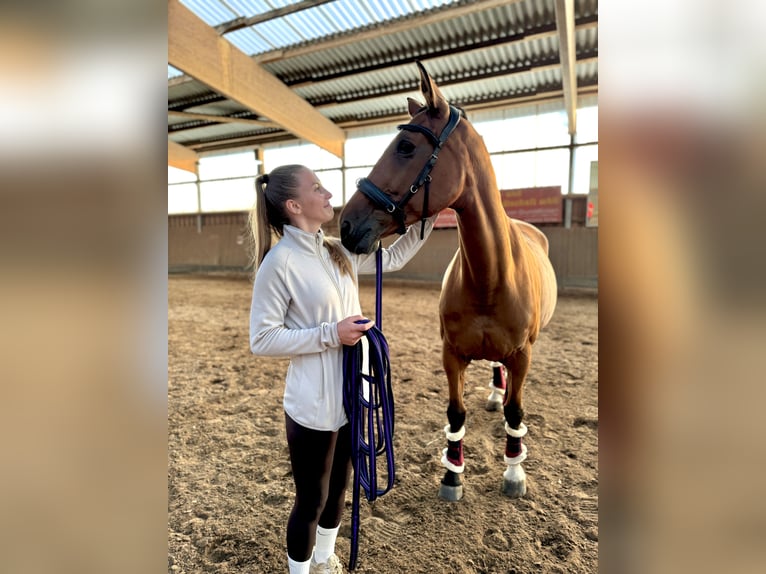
[(532, 204)]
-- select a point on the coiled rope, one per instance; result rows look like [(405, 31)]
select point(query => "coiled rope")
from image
[(369, 402)]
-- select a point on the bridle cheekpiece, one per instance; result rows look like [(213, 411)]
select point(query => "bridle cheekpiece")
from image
[(396, 209)]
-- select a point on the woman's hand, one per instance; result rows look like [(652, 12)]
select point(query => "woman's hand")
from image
[(353, 328)]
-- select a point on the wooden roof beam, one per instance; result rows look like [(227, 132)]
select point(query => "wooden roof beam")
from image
[(182, 157), (567, 53), (196, 49)]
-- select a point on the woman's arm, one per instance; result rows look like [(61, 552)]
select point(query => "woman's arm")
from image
[(401, 251), (268, 334)]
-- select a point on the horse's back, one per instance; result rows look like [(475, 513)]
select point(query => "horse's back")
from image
[(532, 233), (538, 248)]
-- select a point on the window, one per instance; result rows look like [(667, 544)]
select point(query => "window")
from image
[(227, 180), (532, 169), (310, 155), (228, 195), (583, 156), (227, 166), (365, 151), (182, 198)]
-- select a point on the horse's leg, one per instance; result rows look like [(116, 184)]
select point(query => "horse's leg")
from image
[(514, 478), (497, 386), (451, 487)]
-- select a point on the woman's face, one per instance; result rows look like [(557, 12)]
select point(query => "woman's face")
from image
[(314, 200)]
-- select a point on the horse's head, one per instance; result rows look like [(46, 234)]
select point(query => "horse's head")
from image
[(407, 182)]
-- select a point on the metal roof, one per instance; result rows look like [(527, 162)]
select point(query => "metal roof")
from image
[(353, 60)]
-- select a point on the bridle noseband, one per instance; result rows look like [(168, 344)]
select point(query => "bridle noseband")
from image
[(382, 201)]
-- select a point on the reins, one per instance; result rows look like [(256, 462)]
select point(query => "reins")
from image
[(369, 402)]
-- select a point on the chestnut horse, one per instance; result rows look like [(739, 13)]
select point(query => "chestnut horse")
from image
[(499, 289)]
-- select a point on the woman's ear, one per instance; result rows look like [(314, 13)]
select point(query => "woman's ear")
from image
[(293, 206)]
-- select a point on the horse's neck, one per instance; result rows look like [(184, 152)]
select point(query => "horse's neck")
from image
[(484, 237)]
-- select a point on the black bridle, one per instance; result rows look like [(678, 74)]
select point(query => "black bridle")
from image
[(396, 209)]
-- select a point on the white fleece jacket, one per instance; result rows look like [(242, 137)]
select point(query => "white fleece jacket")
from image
[(299, 296)]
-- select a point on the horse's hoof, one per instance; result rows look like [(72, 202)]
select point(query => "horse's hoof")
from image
[(514, 489), (514, 481), (494, 405), (450, 493), (495, 399)]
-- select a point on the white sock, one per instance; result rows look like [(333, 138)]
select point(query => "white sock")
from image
[(299, 567), (325, 543)]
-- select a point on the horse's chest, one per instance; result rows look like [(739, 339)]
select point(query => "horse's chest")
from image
[(482, 335)]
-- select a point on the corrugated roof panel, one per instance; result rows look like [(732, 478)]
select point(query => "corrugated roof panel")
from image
[(249, 41), (312, 23), (248, 8), (402, 8), (174, 120), (547, 77), (210, 132), (345, 14), (221, 108), (585, 8), (370, 108), (279, 33), (587, 40), (451, 68), (381, 9), (587, 72), (212, 12), (420, 41), (467, 92), (380, 69), (361, 85), (187, 91)]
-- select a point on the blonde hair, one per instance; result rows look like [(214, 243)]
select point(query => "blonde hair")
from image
[(272, 190)]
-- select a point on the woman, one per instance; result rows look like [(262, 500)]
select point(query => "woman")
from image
[(306, 306)]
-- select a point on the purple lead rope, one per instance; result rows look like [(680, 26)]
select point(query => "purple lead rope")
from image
[(371, 417)]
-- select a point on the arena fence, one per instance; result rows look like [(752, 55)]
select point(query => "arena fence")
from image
[(219, 242)]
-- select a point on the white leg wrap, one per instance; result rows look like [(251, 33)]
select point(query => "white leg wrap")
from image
[(450, 466), (516, 460), (454, 436), (516, 433), (494, 364)]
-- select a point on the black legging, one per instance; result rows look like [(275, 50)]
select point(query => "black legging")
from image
[(321, 463)]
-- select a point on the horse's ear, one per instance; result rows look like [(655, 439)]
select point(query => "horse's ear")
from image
[(437, 104), (414, 106)]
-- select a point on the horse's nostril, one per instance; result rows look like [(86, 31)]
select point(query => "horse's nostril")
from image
[(345, 229)]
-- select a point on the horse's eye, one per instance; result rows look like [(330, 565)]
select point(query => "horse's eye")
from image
[(405, 148)]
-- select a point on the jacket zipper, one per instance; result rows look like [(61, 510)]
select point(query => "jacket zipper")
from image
[(318, 245)]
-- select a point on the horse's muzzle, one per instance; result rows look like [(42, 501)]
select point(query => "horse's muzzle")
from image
[(361, 239)]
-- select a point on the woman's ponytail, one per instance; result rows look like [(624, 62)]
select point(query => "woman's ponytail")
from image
[(338, 255), (260, 226)]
